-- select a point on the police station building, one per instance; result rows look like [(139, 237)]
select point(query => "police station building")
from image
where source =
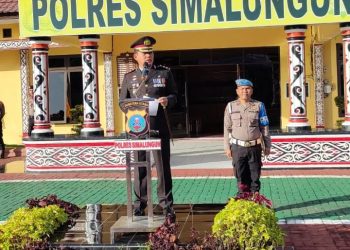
[(76, 52)]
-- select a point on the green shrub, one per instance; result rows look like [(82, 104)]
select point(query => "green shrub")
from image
[(339, 102), (77, 116), (339, 123), (244, 224), (27, 226)]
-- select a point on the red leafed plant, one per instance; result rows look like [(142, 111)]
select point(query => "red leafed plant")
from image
[(70, 208), (255, 197), (165, 237)]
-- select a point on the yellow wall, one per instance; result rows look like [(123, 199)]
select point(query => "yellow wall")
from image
[(10, 95), (15, 31), (309, 78), (330, 74)]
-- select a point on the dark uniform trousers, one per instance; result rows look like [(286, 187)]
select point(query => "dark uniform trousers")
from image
[(164, 189), (247, 164)]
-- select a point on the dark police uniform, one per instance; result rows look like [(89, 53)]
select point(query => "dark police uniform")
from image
[(246, 128), (159, 83), (2, 144)]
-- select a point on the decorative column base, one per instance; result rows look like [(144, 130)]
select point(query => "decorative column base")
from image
[(346, 126), (86, 132), (42, 133), (298, 127)]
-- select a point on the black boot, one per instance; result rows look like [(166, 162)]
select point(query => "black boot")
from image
[(170, 215), (139, 212)]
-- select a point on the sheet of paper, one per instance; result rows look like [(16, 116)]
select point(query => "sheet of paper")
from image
[(153, 107)]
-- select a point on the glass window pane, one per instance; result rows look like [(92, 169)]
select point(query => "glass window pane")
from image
[(76, 89), (57, 96)]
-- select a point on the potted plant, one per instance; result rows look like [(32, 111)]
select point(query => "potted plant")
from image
[(339, 102), (28, 227), (248, 223), (77, 117), (31, 227)]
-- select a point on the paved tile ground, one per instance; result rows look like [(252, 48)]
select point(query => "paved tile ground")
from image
[(313, 205)]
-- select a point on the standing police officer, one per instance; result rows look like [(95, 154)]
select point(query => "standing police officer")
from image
[(158, 83), (246, 135), (2, 144)]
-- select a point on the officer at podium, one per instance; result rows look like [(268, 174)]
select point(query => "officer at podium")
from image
[(157, 82)]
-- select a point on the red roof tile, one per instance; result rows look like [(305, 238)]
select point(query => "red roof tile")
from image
[(8, 7)]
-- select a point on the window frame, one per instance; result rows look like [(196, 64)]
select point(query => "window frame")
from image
[(67, 70)]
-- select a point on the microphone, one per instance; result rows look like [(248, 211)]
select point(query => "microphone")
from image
[(145, 70)]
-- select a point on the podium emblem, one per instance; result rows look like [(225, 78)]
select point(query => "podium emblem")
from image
[(136, 122), (136, 117)]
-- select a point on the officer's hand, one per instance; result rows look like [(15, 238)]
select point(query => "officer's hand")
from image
[(163, 101), (228, 153), (267, 151)]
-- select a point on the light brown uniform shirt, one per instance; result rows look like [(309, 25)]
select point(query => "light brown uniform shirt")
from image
[(242, 122)]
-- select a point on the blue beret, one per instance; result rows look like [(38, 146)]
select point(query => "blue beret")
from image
[(244, 82)]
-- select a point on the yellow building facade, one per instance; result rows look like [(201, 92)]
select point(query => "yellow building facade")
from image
[(326, 35), (297, 54), (253, 41)]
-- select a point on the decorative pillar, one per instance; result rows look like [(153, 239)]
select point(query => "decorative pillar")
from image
[(296, 55), (109, 94), (24, 61), (42, 126), (345, 31), (319, 85), (91, 125)]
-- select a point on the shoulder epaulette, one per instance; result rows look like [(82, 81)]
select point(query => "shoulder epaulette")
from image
[(255, 101), (162, 67), (130, 71), (230, 105), (235, 101)]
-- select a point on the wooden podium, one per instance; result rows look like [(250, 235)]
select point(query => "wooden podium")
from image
[(137, 126)]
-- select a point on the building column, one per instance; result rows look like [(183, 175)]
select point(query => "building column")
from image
[(24, 61), (91, 125), (40, 48), (297, 92), (109, 94), (345, 32), (319, 86)]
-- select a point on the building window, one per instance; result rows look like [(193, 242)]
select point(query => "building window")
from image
[(6, 33), (65, 86)]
